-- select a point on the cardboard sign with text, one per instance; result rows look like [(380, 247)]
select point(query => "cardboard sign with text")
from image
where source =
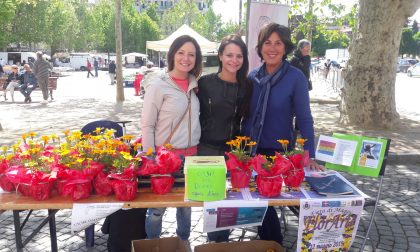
[(205, 178)]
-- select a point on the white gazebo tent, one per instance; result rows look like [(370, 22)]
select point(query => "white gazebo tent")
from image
[(163, 45)]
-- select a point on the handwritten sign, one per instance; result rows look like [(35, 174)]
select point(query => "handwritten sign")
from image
[(205, 178)]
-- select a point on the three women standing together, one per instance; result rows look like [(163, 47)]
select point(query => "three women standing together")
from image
[(263, 105)]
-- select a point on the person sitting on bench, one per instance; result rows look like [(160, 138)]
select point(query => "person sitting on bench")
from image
[(13, 81), (29, 83)]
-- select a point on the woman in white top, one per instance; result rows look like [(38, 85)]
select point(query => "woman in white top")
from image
[(171, 115)]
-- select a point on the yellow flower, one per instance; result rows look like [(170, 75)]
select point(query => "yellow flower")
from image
[(66, 132), (32, 134), (24, 137), (127, 137), (45, 139), (168, 146), (137, 146), (149, 151), (4, 148), (252, 143), (98, 130), (301, 141)]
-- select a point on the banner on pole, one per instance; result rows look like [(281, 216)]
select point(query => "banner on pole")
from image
[(260, 15)]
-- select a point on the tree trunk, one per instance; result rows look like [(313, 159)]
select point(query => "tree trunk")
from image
[(118, 50), (368, 98)]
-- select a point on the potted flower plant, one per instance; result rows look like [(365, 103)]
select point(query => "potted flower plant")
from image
[(72, 177), (238, 163), (5, 183), (298, 159), (31, 169), (270, 171), (160, 166)]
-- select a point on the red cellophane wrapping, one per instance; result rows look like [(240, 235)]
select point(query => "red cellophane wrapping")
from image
[(102, 184), (161, 170), (162, 184), (35, 184), (269, 181), (5, 183), (124, 184), (296, 174), (74, 183), (240, 172)]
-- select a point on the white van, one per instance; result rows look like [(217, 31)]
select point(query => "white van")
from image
[(77, 61), (10, 58)]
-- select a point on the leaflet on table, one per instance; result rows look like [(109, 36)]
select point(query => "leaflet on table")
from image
[(311, 194), (336, 151), (328, 224), (84, 215), (227, 214)]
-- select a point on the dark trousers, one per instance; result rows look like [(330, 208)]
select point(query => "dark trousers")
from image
[(124, 226), (271, 229), (25, 90), (89, 73)]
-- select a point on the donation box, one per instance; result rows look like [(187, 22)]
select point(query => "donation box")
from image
[(205, 178)]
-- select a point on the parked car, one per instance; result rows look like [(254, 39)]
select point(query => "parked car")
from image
[(404, 64), (414, 70)]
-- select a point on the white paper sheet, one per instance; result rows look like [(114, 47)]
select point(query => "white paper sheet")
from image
[(336, 151), (84, 215)]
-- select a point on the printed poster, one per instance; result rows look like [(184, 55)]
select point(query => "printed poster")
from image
[(227, 214), (328, 224), (369, 155)]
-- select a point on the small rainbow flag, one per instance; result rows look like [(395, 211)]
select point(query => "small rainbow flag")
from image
[(326, 147)]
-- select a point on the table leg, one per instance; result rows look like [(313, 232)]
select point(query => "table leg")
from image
[(18, 232), (53, 230)]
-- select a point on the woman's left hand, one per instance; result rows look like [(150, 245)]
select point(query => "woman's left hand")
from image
[(314, 166)]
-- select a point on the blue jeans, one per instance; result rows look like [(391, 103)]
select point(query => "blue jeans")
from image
[(154, 222)]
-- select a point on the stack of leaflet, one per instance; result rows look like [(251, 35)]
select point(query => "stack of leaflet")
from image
[(330, 185)]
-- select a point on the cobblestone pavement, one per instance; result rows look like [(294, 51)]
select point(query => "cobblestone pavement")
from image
[(79, 100)]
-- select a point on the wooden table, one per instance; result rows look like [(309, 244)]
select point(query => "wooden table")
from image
[(145, 199)]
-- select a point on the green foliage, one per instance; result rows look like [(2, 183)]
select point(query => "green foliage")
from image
[(408, 44), (151, 11), (416, 38), (327, 40), (183, 12), (415, 27), (7, 10)]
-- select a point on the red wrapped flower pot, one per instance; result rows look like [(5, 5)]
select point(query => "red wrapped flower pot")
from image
[(269, 186), (24, 189), (6, 184), (294, 178), (162, 184), (125, 189), (102, 185), (240, 178), (76, 188), (41, 190)]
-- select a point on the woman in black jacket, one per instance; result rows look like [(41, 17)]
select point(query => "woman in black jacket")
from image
[(224, 100), (302, 60)]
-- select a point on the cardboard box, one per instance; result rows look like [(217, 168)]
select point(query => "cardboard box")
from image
[(247, 246), (169, 244)]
